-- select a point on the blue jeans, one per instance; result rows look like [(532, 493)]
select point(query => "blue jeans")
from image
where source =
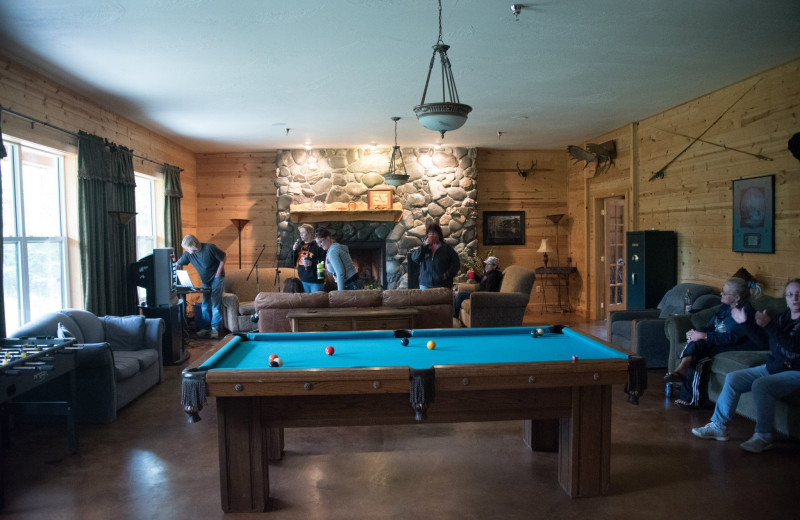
[(313, 287), (766, 388), (212, 303)]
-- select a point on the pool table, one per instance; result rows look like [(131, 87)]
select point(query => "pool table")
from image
[(558, 383)]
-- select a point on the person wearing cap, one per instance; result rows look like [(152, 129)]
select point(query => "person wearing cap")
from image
[(490, 282)]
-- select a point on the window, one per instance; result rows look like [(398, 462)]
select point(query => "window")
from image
[(34, 232), (145, 215)]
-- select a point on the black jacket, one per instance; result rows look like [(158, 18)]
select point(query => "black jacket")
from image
[(436, 270), (317, 254)]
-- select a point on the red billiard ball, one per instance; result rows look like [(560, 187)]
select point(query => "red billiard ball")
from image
[(404, 342), (574, 359), (272, 357), (329, 350)]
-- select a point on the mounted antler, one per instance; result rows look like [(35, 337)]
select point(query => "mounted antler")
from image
[(524, 173), (603, 154)]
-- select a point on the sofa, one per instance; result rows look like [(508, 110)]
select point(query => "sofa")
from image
[(238, 300), (435, 305), (787, 410), (120, 358), (505, 308), (642, 331)]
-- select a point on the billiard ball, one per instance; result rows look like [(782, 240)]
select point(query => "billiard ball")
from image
[(574, 359), (540, 332), (272, 357), (329, 350), (534, 333), (404, 342), (277, 362), (431, 345)]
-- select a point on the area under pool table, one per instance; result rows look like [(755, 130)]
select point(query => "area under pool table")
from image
[(559, 383)]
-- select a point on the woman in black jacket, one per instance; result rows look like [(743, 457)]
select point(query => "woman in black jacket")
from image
[(438, 262)]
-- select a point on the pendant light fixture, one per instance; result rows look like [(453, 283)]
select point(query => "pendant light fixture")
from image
[(396, 176), (448, 114)]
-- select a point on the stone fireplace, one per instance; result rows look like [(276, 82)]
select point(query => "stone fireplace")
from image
[(441, 187)]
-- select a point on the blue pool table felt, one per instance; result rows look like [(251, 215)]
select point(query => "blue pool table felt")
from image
[(382, 349)]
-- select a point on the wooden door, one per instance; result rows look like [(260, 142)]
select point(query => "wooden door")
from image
[(614, 254)]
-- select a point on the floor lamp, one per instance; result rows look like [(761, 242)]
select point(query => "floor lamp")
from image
[(240, 223), (555, 219)]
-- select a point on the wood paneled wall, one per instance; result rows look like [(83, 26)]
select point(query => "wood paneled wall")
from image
[(695, 197), (28, 92), (542, 193), (238, 185)]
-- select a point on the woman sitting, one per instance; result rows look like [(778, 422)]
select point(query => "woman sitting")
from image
[(721, 334)]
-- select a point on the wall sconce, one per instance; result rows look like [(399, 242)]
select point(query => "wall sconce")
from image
[(545, 248), (240, 223), (121, 218)]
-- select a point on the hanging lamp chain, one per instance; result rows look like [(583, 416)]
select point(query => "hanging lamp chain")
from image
[(440, 22)]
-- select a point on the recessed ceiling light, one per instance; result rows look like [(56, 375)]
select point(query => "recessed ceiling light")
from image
[(519, 117)]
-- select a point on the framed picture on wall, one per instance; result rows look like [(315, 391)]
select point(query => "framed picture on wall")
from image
[(754, 215), (503, 228), (379, 199)]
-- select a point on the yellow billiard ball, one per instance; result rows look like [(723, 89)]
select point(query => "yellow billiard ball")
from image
[(431, 345), (540, 331)]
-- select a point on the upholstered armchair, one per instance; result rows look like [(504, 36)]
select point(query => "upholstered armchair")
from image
[(500, 309), (642, 331), (119, 360), (238, 300)]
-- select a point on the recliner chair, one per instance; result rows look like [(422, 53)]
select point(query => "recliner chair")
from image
[(500, 309)]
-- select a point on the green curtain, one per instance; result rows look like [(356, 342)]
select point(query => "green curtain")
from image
[(105, 183), (2, 250), (172, 208)]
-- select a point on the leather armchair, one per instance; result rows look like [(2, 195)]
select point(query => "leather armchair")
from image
[(120, 359), (505, 308), (642, 331)]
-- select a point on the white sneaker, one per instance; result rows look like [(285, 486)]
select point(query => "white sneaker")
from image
[(757, 443), (203, 333), (712, 431), (214, 334)]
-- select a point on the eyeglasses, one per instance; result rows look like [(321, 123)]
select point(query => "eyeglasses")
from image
[(723, 293)]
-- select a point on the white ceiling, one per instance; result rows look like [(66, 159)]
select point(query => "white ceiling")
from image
[(232, 75)]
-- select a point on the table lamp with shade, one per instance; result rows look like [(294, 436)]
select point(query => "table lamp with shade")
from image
[(545, 248)]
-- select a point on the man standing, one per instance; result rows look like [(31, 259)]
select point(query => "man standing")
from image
[(209, 261)]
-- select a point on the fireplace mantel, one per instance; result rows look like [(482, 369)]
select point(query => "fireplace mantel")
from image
[(341, 212)]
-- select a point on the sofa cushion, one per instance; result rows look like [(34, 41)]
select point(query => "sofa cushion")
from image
[(360, 298), (273, 300), (621, 329), (144, 358), (125, 367), (737, 360), (124, 332), (412, 297), (247, 308), (672, 302)]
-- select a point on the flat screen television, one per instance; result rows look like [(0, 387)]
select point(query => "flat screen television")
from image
[(156, 273)]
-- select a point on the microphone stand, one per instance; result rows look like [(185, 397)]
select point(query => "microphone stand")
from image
[(255, 267), (277, 266)]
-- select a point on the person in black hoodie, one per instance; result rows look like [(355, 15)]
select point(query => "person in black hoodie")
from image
[(778, 377), (306, 254), (490, 282), (438, 262)]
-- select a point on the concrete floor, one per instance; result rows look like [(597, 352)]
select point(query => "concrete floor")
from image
[(151, 464)]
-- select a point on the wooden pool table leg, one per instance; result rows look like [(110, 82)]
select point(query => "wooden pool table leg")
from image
[(541, 435), (244, 444), (584, 458)]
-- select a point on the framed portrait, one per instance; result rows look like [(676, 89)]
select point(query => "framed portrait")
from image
[(379, 199), (503, 228), (754, 215)]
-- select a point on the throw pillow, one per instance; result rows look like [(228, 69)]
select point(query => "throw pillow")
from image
[(672, 302), (124, 332)]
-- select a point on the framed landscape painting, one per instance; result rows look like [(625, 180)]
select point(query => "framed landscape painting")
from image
[(503, 228)]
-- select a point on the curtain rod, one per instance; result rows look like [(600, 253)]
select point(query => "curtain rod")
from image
[(73, 134)]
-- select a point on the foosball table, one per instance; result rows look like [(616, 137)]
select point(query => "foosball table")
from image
[(25, 364)]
